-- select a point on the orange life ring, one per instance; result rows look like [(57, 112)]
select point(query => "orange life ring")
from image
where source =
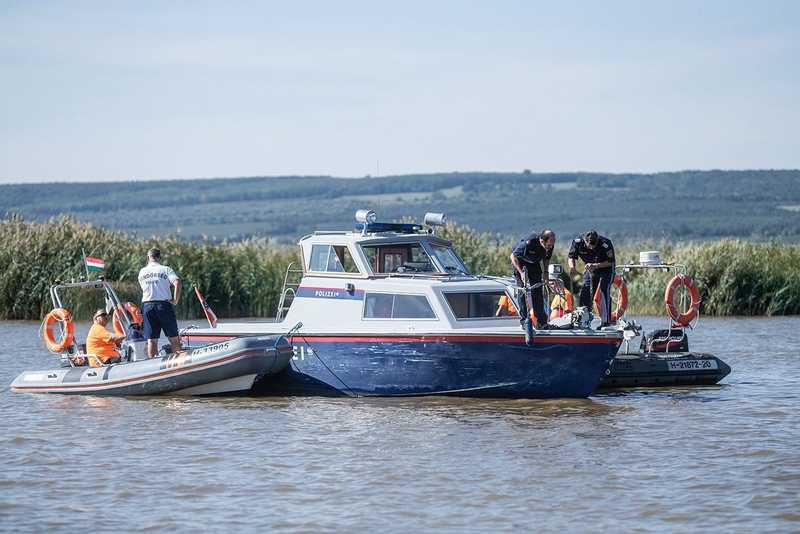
[(682, 319), (562, 305), (133, 312), (59, 315), (622, 303)]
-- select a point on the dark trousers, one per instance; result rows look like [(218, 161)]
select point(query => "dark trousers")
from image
[(537, 297), (593, 279)]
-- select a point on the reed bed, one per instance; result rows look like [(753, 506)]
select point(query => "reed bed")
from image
[(244, 279), (237, 279)]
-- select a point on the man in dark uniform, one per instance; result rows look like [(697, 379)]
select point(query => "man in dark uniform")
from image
[(532, 256), (597, 253)]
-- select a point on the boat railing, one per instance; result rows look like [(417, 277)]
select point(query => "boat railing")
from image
[(289, 291), (678, 269), (112, 303)]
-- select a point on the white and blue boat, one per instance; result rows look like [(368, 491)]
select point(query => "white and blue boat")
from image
[(391, 310)]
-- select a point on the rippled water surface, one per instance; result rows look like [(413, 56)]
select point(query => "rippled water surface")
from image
[(723, 458)]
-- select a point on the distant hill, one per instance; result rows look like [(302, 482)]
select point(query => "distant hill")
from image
[(689, 205)]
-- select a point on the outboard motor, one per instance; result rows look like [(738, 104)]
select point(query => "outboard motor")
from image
[(580, 318), (632, 336), (136, 344)]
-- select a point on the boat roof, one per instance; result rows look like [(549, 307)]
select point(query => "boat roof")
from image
[(329, 237)]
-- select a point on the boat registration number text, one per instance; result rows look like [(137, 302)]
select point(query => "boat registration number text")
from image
[(210, 349), (691, 365)]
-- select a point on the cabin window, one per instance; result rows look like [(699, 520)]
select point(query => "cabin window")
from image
[(331, 259), (388, 306), (449, 260), (477, 305), (399, 258)]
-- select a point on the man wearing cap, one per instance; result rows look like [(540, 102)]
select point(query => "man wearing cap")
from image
[(597, 253), (158, 302), (531, 256), (100, 342)]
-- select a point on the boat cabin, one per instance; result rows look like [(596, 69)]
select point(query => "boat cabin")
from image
[(379, 249), (392, 276)]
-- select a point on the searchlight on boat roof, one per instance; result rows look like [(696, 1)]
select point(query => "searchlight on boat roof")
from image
[(435, 219), (366, 216)]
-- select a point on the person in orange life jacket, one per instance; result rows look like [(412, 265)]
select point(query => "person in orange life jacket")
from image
[(597, 253), (505, 307), (158, 303), (100, 342), (532, 256)]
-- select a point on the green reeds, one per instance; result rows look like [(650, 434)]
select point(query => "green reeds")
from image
[(244, 279), (237, 279)]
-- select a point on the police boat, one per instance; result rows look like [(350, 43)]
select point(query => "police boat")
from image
[(661, 357), (230, 366), (389, 309)]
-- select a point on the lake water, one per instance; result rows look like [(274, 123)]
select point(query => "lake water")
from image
[(722, 459)]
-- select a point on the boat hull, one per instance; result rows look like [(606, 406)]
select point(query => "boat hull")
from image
[(228, 367), (469, 366)]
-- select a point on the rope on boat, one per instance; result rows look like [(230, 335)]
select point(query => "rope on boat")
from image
[(314, 351)]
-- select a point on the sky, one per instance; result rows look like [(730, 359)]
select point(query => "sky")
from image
[(103, 91)]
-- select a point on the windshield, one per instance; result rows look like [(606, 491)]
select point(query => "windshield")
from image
[(398, 258), (447, 257)]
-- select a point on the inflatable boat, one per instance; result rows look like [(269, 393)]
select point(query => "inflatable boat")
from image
[(228, 367), (231, 366), (662, 358)]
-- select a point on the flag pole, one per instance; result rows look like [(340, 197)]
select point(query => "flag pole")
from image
[(84, 263)]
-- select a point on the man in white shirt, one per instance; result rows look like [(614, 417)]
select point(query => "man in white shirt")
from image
[(158, 302)]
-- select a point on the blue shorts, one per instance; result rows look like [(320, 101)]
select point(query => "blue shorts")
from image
[(159, 315)]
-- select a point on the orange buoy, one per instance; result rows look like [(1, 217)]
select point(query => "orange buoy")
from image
[(682, 318), (561, 305), (64, 317), (622, 302), (133, 312)]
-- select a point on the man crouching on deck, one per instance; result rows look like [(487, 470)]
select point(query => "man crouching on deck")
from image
[(158, 303)]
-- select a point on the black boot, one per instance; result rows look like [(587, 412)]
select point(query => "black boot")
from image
[(528, 327)]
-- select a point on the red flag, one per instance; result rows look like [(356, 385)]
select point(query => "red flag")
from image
[(210, 315)]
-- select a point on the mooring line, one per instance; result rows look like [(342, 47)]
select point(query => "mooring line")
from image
[(311, 349)]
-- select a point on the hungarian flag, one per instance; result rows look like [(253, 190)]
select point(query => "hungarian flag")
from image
[(94, 264), (210, 315)]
